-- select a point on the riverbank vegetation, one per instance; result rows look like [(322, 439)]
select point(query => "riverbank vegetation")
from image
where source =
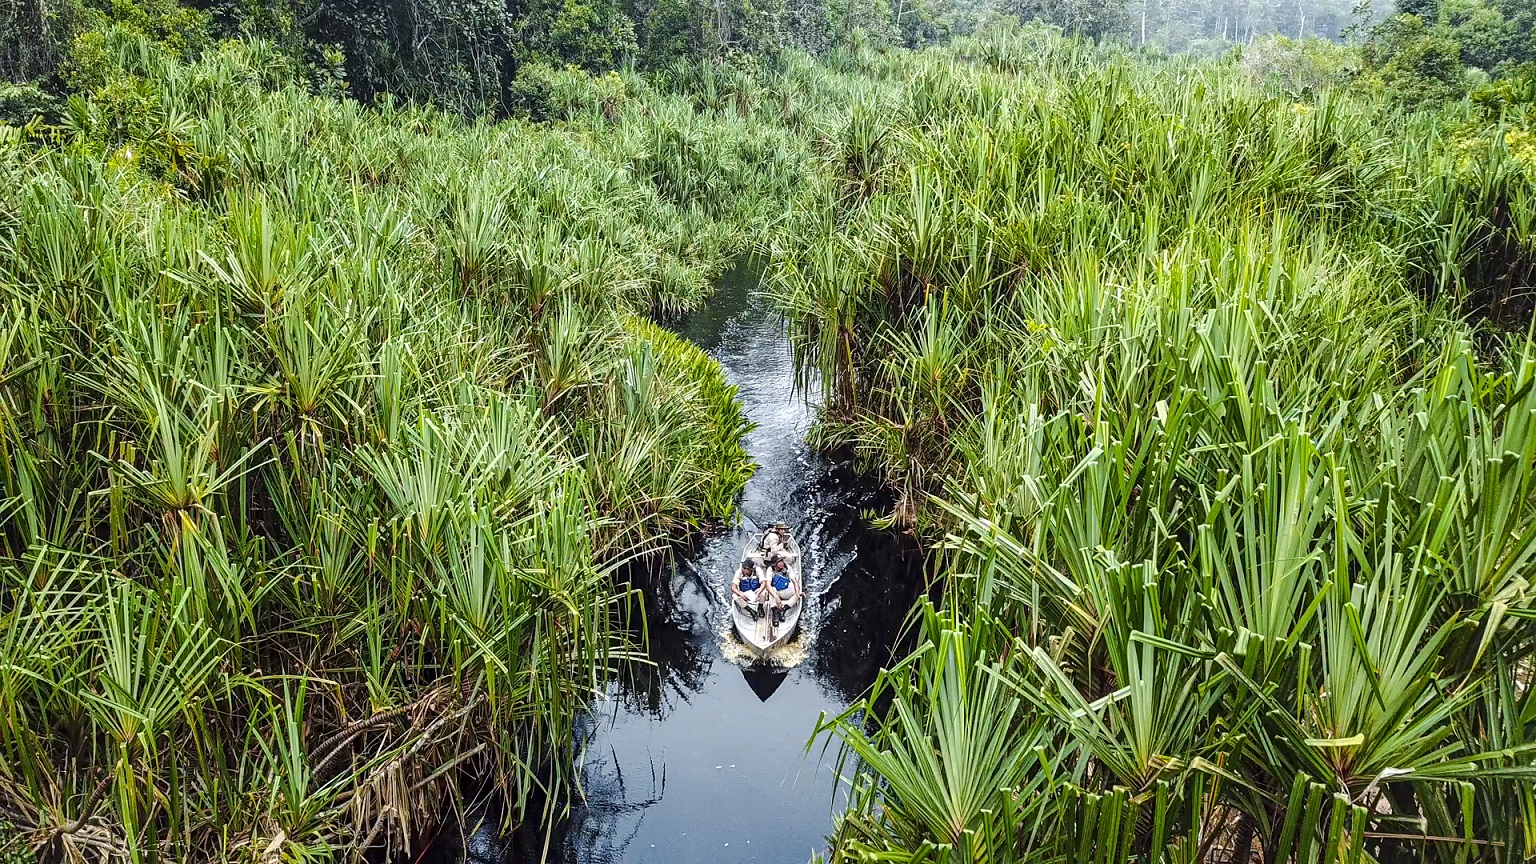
[(321, 429), (1218, 404), (331, 396)]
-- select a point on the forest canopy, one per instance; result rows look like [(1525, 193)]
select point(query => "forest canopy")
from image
[(469, 57)]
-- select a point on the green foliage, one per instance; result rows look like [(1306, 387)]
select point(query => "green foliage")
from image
[(593, 34), (954, 760), (182, 29), (455, 55), (1485, 37), (1078, 17), (1235, 506), (321, 430), (1508, 96), (13, 850), (20, 104), (321, 425), (38, 38), (1413, 63), (1489, 39), (723, 424), (544, 93), (674, 29), (1301, 67)]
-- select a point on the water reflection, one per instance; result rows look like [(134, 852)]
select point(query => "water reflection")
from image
[(691, 758), (680, 663), (764, 682)]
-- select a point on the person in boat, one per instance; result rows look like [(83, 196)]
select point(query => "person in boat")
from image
[(784, 588), (749, 587), (778, 539)]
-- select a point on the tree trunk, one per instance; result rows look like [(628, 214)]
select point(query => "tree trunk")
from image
[(1242, 841), (508, 54)]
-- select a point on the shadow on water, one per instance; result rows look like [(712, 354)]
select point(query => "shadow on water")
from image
[(694, 757), (764, 681)]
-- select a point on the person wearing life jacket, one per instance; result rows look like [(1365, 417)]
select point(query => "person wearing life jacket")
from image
[(749, 588), (784, 588)]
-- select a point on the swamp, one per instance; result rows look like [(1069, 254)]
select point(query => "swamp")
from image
[(387, 391)]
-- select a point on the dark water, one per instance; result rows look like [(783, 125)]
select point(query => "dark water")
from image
[(699, 759)]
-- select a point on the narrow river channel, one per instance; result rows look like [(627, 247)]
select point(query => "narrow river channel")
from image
[(698, 759)]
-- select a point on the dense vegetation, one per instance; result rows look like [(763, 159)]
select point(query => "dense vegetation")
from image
[(321, 428), (1197, 388), (472, 57), (324, 424)]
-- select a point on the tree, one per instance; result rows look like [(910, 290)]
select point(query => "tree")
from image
[(1085, 17), (1298, 66), (1413, 63), (33, 38), (1489, 37), (845, 19), (593, 34)]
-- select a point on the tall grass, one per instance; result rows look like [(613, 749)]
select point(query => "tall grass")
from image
[(1197, 389), (322, 430)]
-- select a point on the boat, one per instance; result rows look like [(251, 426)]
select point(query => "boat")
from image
[(759, 633)]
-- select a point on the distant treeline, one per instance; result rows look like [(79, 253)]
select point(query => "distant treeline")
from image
[(466, 56)]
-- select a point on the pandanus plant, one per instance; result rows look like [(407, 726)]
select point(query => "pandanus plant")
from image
[(955, 762), (1249, 509), (320, 432)]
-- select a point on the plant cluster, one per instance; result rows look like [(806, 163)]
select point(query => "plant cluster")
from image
[(1201, 391), (323, 426), (321, 431)]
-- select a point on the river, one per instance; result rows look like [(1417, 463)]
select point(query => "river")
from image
[(698, 758)]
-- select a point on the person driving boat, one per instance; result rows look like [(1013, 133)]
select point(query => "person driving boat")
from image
[(780, 544)]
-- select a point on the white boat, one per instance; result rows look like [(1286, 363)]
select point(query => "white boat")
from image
[(759, 632)]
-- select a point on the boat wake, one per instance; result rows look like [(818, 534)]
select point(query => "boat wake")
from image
[(786, 656), (796, 650)]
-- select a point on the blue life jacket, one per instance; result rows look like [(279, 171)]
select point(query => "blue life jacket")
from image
[(780, 581), (751, 583)]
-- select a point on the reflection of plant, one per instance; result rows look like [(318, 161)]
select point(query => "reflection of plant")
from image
[(606, 804), (675, 667), (875, 575)]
